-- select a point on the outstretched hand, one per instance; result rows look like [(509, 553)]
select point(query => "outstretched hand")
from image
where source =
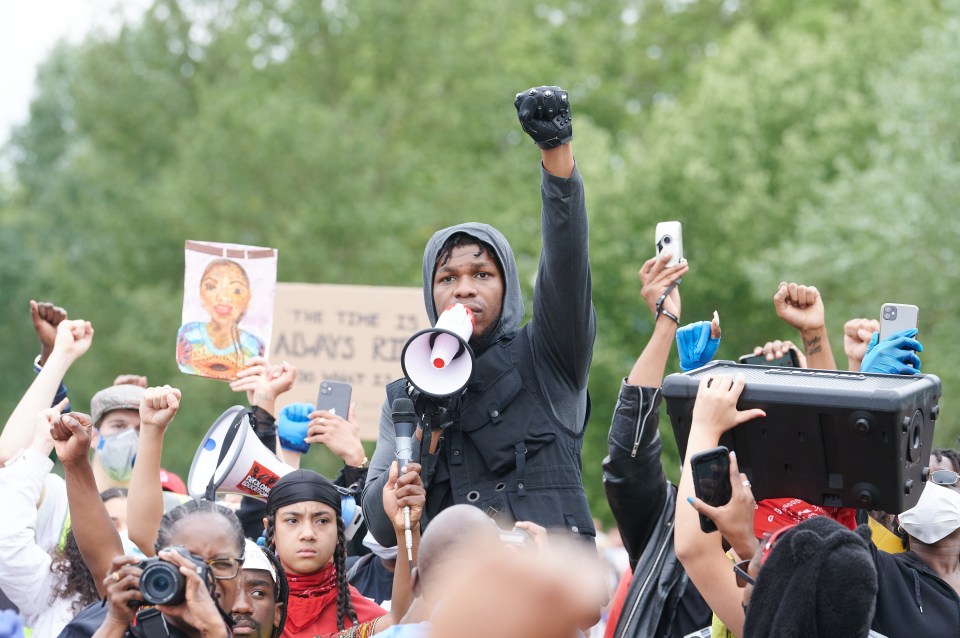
[(656, 277), (71, 435), (715, 409)]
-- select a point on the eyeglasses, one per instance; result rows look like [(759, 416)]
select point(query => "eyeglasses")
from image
[(743, 578), (224, 568), (944, 477)]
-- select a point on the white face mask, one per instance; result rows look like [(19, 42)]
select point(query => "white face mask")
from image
[(117, 452), (936, 515)]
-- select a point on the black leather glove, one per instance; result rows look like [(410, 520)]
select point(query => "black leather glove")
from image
[(544, 113)]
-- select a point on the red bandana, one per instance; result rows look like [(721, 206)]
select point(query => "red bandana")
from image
[(774, 513)]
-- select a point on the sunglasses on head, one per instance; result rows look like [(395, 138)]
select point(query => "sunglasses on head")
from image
[(741, 569), (947, 478)]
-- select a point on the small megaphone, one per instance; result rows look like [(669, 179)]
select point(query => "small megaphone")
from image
[(233, 461), (438, 361)]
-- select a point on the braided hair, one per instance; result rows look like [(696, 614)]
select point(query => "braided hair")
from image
[(171, 519), (344, 602)]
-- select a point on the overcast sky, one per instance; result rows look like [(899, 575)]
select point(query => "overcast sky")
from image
[(28, 31)]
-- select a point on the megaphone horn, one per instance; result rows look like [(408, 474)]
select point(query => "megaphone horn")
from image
[(231, 460), (438, 361)]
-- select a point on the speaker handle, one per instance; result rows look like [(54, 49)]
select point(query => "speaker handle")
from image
[(211, 493)]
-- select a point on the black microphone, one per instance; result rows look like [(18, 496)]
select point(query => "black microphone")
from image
[(405, 424)]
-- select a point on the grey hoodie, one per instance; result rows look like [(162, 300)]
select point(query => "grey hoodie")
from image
[(561, 331)]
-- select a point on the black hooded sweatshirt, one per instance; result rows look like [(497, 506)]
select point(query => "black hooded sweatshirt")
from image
[(514, 447)]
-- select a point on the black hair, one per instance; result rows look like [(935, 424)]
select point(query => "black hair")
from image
[(281, 590), (344, 602), (75, 578), (171, 520), (112, 493), (946, 453), (460, 239)]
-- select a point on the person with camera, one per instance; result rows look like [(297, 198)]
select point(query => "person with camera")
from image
[(511, 443), (188, 589)]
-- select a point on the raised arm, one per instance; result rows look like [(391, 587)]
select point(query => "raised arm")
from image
[(563, 326), (702, 555), (96, 535), (802, 307), (145, 498), (633, 477), (73, 339)]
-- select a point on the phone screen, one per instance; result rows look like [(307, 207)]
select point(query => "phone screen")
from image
[(788, 360), (711, 480)]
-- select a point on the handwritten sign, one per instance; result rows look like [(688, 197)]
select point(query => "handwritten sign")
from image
[(345, 333)]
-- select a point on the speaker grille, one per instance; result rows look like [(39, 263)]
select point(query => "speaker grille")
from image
[(805, 378)]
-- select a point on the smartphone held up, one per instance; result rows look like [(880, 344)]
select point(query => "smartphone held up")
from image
[(711, 480), (668, 238)]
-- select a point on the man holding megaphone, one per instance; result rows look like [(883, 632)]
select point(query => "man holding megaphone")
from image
[(515, 397)]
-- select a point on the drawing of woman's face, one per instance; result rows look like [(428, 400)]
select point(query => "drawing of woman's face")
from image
[(225, 292)]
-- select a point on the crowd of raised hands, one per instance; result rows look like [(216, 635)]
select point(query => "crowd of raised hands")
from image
[(779, 567)]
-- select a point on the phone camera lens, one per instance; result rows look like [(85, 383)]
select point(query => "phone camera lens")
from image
[(666, 240)]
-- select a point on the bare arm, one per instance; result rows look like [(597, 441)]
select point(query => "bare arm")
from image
[(96, 535), (72, 341), (802, 307), (145, 498), (702, 555)]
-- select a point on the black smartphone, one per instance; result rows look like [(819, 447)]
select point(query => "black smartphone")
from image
[(711, 480), (788, 360), (334, 397)]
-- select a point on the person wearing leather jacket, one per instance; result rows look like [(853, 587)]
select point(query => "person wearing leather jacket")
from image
[(660, 601)]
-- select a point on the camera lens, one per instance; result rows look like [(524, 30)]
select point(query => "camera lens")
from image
[(666, 240), (162, 584)]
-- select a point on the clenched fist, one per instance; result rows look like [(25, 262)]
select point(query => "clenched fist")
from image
[(544, 113)]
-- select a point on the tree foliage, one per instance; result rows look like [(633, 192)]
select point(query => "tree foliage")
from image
[(813, 142)]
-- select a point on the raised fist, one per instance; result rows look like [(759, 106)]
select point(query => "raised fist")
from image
[(544, 113)]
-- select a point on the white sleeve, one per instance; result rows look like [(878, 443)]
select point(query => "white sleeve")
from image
[(25, 577)]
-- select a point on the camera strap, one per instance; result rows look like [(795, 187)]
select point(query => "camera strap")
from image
[(663, 297), (150, 624)]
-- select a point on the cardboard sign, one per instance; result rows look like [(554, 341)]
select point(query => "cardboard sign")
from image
[(353, 334)]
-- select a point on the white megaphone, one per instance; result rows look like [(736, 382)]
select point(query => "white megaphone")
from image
[(233, 461), (438, 361)]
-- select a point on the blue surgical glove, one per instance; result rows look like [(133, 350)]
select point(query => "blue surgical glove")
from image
[(695, 345), (292, 427), (11, 626), (894, 355)]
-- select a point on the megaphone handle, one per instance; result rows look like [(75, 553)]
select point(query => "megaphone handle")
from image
[(211, 491)]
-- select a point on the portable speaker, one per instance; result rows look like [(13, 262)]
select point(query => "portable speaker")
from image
[(832, 438)]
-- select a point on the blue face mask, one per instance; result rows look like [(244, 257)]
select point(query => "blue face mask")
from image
[(117, 453)]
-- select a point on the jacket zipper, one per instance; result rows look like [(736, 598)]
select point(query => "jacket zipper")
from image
[(650, 574), (642, 420)]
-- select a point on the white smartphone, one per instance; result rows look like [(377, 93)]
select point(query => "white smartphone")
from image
[(896, 317), (669, 237)]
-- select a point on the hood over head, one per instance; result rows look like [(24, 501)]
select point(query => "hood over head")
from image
[(512, 311)]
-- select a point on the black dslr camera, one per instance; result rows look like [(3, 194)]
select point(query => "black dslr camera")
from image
[(161, 582)]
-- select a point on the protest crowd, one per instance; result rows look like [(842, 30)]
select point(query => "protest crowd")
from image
[(483, 527)]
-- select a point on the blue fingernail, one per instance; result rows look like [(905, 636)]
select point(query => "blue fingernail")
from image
[(690, 500)]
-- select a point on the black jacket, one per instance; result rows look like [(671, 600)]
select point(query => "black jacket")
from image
[(661, 600), (514, 448), (912, 600)]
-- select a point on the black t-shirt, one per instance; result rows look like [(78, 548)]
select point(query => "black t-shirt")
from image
[(912, 600)]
